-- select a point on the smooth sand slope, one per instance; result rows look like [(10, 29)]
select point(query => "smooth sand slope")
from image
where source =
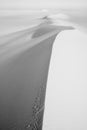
[(24, 64)]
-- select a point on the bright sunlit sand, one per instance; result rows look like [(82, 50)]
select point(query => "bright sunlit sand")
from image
[(66, 96)]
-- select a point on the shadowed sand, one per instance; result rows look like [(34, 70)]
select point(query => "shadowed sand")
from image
[(24, 65)]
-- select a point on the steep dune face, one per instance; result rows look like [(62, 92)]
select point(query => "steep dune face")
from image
[(24, 63), (21, 79)]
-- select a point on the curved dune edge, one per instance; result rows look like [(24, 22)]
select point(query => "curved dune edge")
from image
[(23, 40), (24, 66)]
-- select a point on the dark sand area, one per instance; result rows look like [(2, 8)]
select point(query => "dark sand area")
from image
[(23, 77)]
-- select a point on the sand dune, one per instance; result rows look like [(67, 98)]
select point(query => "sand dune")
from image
[(24, 62), (25, 53)]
